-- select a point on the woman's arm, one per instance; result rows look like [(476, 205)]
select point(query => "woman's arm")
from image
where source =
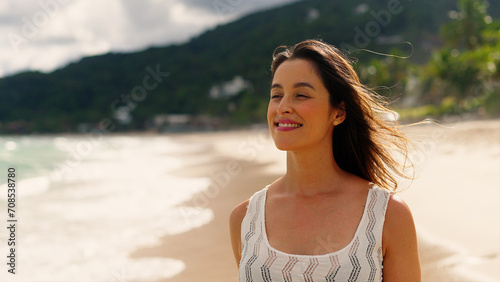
[(235, 220), (399, 240)]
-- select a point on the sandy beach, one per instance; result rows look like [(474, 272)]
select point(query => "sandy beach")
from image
[(455, 199)]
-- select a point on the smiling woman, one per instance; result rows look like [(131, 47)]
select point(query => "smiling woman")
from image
[(332, 215), (294, 104)]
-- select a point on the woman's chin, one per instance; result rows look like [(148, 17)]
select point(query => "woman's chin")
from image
[(285, 146)]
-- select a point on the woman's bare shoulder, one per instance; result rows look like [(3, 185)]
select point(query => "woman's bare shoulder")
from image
[(399, 241), (398, 211), (398, 219), (238, 213), (235, 220)]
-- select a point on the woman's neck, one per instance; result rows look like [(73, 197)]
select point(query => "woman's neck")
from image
[(313, 172)]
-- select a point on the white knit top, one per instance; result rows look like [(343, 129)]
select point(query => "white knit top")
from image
[(360, 260)]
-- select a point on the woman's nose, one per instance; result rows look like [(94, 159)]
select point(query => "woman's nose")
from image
[(284, 106)]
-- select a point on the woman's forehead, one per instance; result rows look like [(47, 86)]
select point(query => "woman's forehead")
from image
[(296, 70)]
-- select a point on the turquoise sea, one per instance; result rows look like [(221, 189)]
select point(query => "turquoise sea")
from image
[(85, 203)]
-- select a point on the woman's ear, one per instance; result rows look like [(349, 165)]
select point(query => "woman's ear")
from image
[(339, 114)]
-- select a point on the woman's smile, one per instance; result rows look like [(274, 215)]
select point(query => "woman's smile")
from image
[(287, 125)]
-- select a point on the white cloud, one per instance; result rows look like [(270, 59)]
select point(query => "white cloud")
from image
[(47, 34)]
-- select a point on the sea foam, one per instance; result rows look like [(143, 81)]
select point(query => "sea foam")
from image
[(120, 194)]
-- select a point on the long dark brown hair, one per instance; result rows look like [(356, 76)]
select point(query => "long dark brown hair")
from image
[(364, 143)]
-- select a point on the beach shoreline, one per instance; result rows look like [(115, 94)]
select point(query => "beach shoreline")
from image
[(240, 163)]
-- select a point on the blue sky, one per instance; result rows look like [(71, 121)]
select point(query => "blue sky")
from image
[(47, 34)]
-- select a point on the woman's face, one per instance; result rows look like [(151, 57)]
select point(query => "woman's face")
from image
[(299, 112)]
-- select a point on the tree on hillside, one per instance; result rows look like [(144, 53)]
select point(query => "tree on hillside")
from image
[(467, 24), (466, 71)]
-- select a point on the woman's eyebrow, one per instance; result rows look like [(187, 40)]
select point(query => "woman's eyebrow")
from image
[(296, 85), (303, 84)]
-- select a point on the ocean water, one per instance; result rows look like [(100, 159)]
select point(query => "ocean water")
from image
[(84, 204)]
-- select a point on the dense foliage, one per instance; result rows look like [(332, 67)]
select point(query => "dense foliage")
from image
[(455, 54)]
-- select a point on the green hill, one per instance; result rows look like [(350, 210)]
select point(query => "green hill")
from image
[(222, 73)]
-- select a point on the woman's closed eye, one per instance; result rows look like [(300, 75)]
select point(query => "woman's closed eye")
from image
[(299, 95)]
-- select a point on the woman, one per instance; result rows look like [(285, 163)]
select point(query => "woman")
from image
[(332, 216)]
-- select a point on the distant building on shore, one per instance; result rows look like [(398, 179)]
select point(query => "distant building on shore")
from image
[(184, 123)]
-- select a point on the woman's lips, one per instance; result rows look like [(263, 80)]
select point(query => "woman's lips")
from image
[(287, 125)]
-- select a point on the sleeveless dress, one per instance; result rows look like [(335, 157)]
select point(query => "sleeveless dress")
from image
[(360, 260)]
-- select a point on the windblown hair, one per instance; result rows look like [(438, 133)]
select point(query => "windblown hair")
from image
[(364, 143)]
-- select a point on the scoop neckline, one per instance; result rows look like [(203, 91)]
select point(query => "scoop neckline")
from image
[(348, 246)]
